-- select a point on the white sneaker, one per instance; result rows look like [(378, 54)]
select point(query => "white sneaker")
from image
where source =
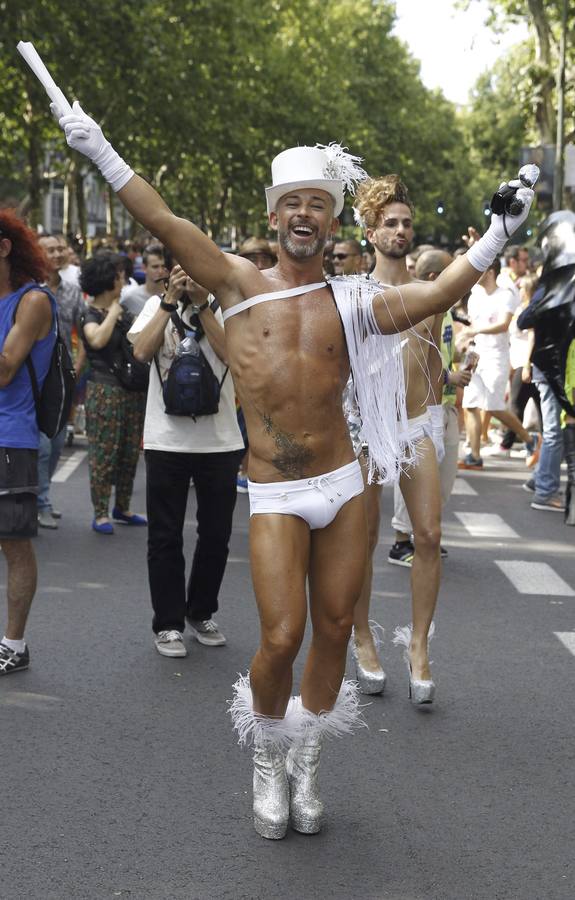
[(170, 643), (206, 632)]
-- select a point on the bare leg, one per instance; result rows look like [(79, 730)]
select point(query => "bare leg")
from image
[(363, 638), (22, 580), (473, 429), (279, 549), (336, 575), (510, 419), (421, 491), (485, 423)]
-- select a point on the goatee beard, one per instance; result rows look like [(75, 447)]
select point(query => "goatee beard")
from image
[(299, 251)]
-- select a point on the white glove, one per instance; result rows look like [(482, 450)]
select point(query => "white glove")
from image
[(437, 430), (85, 135), (486, 249)]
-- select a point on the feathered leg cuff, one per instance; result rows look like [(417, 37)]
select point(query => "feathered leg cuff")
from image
[(255, 729), (344, 718)]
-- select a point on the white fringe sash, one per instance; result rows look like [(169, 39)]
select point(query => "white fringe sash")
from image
[(378, 377)]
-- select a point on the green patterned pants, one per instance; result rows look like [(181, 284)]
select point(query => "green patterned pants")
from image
[(114, 425)]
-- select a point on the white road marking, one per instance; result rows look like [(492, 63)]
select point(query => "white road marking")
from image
[(567, 638), (486, 525), (534, 578), (64, 471), (462, 488)]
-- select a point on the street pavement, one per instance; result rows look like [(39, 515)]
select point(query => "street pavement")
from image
[(121, 776)]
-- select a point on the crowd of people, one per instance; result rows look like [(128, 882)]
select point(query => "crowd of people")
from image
[(383, 359)]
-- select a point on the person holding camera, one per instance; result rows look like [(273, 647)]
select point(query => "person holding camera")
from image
[(114, 405), (179, 446)]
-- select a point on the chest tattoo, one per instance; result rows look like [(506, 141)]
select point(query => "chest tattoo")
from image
[(292, 458)]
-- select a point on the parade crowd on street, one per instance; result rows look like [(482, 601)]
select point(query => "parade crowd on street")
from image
[(192, 356)]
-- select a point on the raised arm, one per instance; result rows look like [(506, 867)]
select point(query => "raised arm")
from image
[(398, 308), (198, 255)]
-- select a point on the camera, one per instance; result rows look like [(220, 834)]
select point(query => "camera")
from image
[(505, 200)]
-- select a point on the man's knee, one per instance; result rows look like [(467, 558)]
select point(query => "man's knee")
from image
[(18, 552), (428, 537), (336, 629), (281, 644)]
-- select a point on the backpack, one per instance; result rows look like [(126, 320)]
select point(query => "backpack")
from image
[(53, 400), (191, 388)]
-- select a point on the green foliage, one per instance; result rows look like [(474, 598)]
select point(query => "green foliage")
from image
[(199, 95)]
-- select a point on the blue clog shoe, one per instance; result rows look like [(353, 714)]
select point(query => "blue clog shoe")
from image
[(128, 520), (103, 527)]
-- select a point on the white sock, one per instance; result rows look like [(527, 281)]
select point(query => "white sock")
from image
[(16, 646)]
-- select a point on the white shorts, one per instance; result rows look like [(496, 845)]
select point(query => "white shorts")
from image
[(486, 390), (316, 500)]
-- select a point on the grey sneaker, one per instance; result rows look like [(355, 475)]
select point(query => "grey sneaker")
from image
[(207, 632), (170, 643), (555, 504), (46, 519)]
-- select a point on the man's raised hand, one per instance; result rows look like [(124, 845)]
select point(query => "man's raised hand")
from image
[(82, 132), (85, 135), (482, 253)]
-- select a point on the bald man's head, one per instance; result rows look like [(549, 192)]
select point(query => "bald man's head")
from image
[(431, 263)]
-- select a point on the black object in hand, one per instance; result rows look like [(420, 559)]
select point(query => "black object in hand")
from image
[(505, 200)]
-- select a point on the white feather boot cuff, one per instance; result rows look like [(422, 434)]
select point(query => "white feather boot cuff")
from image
[(256, 729), (344, 718)]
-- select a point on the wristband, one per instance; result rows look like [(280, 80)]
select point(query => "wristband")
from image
[(168, 307), (198, 309)]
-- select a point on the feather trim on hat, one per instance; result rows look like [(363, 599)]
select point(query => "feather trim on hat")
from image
[(357, 218), (342, 165)]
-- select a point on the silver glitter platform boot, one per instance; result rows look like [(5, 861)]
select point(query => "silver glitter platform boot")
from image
[(270, 738), (302, 762), (271, 793), (420, 691), (370, 682)]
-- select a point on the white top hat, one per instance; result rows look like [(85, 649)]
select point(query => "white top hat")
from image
[(328, 168)]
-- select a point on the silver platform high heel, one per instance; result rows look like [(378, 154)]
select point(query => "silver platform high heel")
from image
[(271, 738), (302, 763), (369, 682), (271, 793), (302, 766), (419, 691)]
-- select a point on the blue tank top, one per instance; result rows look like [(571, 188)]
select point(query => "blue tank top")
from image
[(18, 425)]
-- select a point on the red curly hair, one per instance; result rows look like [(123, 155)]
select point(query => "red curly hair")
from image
[(26, 259)]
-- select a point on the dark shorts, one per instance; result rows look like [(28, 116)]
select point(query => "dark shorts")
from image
[(18, 490)]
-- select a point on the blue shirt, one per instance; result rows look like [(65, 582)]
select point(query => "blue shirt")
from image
[(18, 425)]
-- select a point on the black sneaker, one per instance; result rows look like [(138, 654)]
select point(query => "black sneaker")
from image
[(444, 553), (10, 661), (401, 554), (529, 486)]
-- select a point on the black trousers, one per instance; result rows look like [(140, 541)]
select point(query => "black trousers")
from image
[(519, 394), (167, 485)]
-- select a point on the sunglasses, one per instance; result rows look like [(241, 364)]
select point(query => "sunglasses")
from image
[(342, 255)]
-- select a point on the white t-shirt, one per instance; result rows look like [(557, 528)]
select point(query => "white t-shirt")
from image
[(71, 274), (486, 309), (180, 434)]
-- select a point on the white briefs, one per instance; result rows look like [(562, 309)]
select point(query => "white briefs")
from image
[(316, 500), (420, 427)]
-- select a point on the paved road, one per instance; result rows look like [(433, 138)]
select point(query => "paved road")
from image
[(120, 773)]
